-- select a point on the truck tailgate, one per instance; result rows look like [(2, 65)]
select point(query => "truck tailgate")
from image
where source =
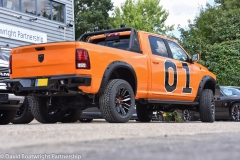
[(43, 60)]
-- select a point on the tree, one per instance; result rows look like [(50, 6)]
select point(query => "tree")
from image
[(223, 60), (215, 33), (199, 32), (228, 4), (89, 14), (147, 15)]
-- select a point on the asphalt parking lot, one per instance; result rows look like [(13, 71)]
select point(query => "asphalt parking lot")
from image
[(133, 140)]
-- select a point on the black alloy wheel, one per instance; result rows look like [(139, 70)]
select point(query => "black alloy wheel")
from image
[(122, 101), (235, 112), (20, 111), (186, 115)]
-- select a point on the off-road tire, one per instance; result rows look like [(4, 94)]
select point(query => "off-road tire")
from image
[(84, 120), (207, 106), (143, 113), (26, 115), (6, 116), (108, 98), (73, 116), (39, 111)]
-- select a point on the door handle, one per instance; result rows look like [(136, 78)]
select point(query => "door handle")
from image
[(155, 62)]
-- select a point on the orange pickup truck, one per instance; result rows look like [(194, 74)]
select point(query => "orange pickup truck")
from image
[(114, 70)]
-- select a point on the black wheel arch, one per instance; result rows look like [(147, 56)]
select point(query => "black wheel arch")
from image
[(119, 70), (207, 82)]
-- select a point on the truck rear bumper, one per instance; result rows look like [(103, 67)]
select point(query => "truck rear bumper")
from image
[(54, 83)]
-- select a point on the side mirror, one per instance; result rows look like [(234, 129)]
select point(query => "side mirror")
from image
[(195, 57)]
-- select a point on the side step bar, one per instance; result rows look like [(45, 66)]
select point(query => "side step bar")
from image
[(157, 101)]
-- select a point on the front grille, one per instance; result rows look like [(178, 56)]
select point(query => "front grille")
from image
[(4, 73)]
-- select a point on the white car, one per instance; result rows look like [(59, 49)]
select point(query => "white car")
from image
[(9, 103)]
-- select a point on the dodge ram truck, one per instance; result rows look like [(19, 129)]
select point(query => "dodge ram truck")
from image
[(111, 69)]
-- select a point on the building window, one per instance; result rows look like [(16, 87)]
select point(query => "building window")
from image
[(11, 4), (58, 11), (44, 8), (28, 6)]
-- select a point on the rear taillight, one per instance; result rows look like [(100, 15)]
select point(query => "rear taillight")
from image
[(10, 65), (82, 59)]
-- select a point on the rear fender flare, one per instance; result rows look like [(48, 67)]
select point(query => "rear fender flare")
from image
[(110, 69)]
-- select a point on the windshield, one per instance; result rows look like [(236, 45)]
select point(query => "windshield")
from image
[(4, 55), (230, 91)]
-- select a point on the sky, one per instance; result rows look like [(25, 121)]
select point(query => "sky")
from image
[(180, 11)]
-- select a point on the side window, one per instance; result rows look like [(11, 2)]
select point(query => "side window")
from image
[(0, 3), (177, 52), (228, 92), (158, 46)]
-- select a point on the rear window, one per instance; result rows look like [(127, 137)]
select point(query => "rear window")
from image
[(122, 43)]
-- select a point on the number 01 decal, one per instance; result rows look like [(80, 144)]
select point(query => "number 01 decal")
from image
[(167, 65), (187, 88), (171, 87)]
